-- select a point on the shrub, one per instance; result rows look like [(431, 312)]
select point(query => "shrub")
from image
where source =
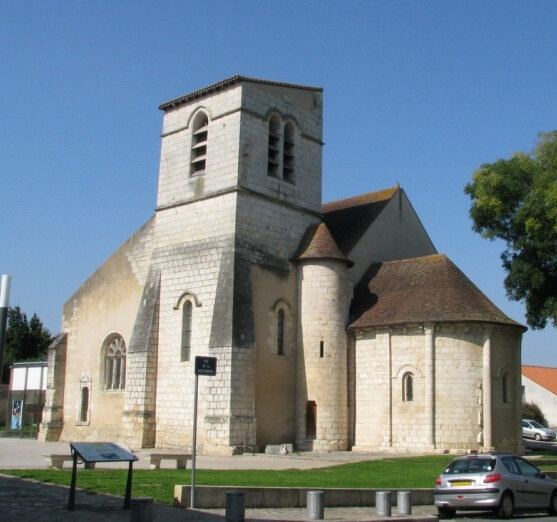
[(531, 410)]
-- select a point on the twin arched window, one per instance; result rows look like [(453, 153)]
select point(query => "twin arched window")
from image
[(280, 152), (115, 363)]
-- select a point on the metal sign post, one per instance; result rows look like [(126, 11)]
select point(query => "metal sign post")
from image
[(203, 366)]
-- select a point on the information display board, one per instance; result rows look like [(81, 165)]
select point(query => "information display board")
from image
[(101, 452)]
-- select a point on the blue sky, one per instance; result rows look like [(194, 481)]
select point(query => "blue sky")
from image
[(415, 92)]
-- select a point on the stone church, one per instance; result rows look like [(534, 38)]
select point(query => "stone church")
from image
[(335, 326)]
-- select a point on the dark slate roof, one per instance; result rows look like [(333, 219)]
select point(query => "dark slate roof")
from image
[(225, 84), (348, 219), (426, 289), (318, 243)]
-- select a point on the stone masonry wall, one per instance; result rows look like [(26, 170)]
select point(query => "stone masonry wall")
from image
[(384, 421), (324, 298)]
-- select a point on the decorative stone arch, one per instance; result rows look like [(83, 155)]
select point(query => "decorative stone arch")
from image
[(187, 295), (200, 108), (408, 368)]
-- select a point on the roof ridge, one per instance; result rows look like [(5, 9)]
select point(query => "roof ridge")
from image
[(363, 199), (226, 83)]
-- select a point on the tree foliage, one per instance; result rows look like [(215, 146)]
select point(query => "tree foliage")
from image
[(531, 410), (26, 340), (516, 200)]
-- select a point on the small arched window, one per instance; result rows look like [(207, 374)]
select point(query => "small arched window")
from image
[(200, 135), (186, 330), (408, 387), (115, 364)]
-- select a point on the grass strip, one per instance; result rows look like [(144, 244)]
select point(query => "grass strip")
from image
[(400, 472)]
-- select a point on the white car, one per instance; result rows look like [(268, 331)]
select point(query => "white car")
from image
[(532, 429)]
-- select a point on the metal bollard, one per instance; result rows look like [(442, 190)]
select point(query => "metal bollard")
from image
[(141, 509), (404, 503), (315, 505), (235, 506), (383, 504)]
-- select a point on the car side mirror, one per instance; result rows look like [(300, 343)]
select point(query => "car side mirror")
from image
[(541, 474)]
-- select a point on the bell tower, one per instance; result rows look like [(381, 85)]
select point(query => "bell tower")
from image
[(239, 185)]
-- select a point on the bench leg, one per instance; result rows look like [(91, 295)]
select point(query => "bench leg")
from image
[(181, 463), (57, 463), (155, 463)]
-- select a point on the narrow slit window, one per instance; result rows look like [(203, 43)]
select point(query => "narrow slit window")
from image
[(408, 387), (280, 332), (186, 331), (84, 410), (506, 390), (321, 348)]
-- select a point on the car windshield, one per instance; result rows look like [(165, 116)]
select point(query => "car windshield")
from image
[(536, 424), (470, 465)]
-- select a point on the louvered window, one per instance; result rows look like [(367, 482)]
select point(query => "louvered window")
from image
[(199, 144), (273, 156), (288, 153)]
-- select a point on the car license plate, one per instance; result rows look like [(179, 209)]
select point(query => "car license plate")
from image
[(460, 483)]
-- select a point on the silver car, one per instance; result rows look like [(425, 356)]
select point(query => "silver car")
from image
[(499, 482), (532, 429)]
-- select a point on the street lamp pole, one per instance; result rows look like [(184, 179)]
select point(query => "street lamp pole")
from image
[(4, 307)]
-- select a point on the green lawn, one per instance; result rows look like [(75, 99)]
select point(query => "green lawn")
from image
[(410, 472)]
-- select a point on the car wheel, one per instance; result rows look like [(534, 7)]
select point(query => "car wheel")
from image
[(445, 513), (538, 437), (552, 510), (506, 506)]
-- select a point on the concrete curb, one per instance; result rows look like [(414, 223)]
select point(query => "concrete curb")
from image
[(214, 497)]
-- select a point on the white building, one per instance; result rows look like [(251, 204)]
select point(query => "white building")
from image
[(539, 385)]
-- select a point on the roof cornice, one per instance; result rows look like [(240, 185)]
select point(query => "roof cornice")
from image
[(172, 104)]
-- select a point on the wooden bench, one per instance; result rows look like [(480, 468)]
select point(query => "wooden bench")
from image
[(180, 458), (57, 461)]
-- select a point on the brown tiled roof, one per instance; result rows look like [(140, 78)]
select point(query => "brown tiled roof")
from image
[(348, 219), (545, 377), (223, 85), (421, 290), (318, 243)]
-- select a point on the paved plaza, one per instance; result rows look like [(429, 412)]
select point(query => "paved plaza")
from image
[(25, 500)]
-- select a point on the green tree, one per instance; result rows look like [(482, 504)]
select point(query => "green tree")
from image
[(516, 200), (531, 410), (25, 340)]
